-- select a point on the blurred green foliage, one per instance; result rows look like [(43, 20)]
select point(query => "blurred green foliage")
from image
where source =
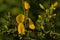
[(9, 9)]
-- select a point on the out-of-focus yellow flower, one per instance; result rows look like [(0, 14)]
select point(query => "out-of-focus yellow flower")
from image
[(26, 5), (38, 20), (42, 27), (20, 18), (39, 16), (53, 6), (41, 6), (47, 10), (53, 15), (56, 3), (50, 16), (21, 29), (31, 25)]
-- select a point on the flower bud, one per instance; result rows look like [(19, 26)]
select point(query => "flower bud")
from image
[(31, 25), (50, 16), (41, 6), (54, 15), (26, 5), (56, 3), (42, 27), (39, 16)]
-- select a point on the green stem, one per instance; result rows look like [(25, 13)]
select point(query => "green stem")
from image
[(26, 16), (25, 12)]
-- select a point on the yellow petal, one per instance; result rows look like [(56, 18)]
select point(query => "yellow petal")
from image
[(20, 18), (21, 29), (41, 6), (31, 25), (26, 5)]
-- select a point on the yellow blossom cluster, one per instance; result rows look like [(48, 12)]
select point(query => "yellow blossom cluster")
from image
[(20, 20), (21, 28)]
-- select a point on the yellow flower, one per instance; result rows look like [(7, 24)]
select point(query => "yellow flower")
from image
[(54, 15), (26, 5), (41, 6), (31, 25), (53, 6), (20, 18), (50, 16), (21, 29), (47, 10), (56, 3), (39, 16)]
